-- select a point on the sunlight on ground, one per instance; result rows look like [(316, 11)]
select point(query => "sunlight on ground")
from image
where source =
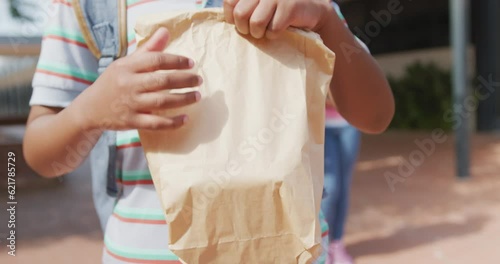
[(391, 161)]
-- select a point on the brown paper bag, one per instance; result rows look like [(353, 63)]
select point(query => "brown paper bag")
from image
[(242, 181)]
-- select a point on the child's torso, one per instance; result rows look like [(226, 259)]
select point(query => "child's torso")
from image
[(137, 231)]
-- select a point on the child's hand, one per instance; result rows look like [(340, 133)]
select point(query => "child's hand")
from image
[(126, 93), (270, 17)]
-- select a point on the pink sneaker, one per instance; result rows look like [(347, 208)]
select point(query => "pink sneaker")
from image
[(337, 254)]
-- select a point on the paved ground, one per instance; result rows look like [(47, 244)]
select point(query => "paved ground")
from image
[(429, 218)]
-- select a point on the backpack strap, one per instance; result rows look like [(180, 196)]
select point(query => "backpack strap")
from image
[(104, 27), (212, 3), (85, 28)]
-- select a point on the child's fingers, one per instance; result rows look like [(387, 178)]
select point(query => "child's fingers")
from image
[(279, 22), (162, 100), (229, 10), (154, 61), (261, 17), (242, 13), (157, 42), (155, 81), (154, 122)]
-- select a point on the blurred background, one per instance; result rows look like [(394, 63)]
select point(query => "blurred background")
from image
[(411, 202)]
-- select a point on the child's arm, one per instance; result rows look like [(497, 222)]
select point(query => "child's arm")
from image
[(57, 141), (360, 89)]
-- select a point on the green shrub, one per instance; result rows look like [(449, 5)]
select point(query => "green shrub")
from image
[(422, 95)]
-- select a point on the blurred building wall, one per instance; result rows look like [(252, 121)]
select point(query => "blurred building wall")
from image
[(395, 63)]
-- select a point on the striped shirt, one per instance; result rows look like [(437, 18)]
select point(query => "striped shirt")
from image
[(137, 231)]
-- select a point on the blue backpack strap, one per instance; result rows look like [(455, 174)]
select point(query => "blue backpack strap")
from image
[(104, 27), (214, 3)]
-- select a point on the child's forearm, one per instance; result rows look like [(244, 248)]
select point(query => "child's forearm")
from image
[(57, 142), (359, 87), (122, 98)]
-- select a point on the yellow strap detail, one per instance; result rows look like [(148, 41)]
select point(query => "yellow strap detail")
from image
[(85, 29), (122, 23)]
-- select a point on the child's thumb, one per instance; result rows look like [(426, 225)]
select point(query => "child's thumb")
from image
[(157, 42)]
